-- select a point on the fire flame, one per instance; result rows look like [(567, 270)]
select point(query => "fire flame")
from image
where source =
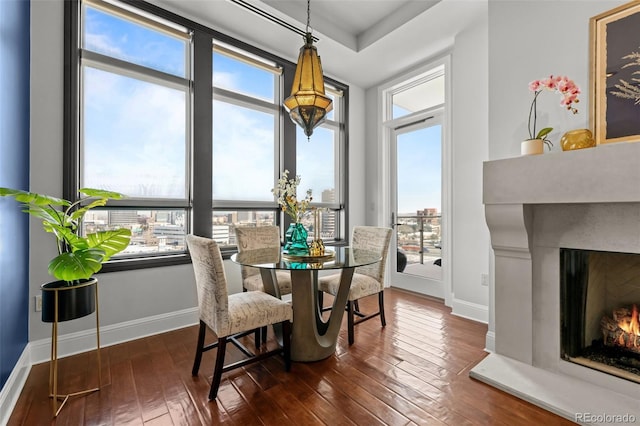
[(631, 326)]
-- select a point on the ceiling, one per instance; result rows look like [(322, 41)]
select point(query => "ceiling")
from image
[(361, 42)]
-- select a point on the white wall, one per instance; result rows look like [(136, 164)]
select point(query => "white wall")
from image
[(128, 295), (529, 40), (470, 140)]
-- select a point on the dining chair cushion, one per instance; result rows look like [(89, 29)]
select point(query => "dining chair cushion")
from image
[(254, 282), (253, 309), (361, 285)]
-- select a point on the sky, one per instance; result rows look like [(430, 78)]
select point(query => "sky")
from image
[(419, 157)]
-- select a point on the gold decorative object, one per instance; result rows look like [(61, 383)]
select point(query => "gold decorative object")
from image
[(308, 105), (614, 64), (304, 259), (577, 139), (317, 246)]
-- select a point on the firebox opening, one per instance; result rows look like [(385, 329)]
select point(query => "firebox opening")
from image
[(599, 305)]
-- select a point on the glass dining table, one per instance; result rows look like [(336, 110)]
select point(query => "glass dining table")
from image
[(313, 337)]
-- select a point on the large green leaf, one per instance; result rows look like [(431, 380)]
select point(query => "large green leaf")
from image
[(80, 264), (32, 198), (111, 242), (46, 213)]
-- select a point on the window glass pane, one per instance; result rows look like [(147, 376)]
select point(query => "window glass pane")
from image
[(331, 114), (419, 175), (134, 138), (417, 98), (223, 223), (315, 163), (328, 225), (243, 153), (119, 38), (152, 231), (238, 76)]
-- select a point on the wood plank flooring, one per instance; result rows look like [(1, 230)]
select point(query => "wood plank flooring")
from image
[(413, 371)]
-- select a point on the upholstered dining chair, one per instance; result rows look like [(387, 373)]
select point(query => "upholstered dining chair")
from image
[(231, 316), (257, 237), (367, 280)]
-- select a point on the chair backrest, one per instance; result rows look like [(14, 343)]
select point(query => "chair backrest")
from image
[(376, 239), (211, 283), (256, 237)]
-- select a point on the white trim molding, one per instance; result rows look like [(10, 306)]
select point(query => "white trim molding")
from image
[(83, 341), (470, 310), (14, 384)]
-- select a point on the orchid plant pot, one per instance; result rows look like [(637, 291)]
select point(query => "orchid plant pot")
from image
[(532, 147)]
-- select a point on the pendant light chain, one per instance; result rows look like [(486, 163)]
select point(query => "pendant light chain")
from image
[(308, 14)]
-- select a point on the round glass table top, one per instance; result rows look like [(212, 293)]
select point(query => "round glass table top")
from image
[(334, 258)]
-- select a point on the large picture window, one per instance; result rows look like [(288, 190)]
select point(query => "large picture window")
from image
[(137, 125)]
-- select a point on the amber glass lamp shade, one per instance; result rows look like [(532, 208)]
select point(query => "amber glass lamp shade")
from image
[(308, 105)]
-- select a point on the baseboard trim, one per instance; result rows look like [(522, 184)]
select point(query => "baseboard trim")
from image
[(490, 342), (83, 341), (470, 310), (14, 384)]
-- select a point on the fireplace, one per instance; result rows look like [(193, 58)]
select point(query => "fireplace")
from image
[(599, 299), (536, 207)]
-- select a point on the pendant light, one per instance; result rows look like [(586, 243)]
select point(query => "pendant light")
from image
[(308, 105)]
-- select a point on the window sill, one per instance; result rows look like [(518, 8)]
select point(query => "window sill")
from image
[(146, 262)]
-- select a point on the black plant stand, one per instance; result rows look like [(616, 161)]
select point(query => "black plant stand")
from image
[(53, 365)]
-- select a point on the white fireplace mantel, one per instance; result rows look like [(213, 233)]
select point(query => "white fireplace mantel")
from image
[(534, 205), (605, 174)]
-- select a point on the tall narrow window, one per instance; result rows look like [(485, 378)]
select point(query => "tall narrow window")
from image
[(318, 162), (134, 124), (246, 123), (416, 116)]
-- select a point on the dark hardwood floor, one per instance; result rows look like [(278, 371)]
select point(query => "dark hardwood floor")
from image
[(413, 371)]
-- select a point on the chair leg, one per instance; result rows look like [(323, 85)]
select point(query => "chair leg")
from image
[(264, 334), (199, 349), (381, 304), (257, 338), (217, 370), (356, 306), (286, 344), (350, 315)]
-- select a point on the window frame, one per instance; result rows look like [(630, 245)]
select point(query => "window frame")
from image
[(199, 203)]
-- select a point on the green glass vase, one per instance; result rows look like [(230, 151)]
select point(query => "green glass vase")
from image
[(296, 240)]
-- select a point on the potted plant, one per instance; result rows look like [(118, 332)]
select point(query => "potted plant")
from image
[(569, 91), (79, 257), (286, 194)]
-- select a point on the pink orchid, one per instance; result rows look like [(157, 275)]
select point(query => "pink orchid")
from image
[(563, 85)]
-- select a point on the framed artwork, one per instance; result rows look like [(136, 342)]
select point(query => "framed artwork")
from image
[(615, 74)]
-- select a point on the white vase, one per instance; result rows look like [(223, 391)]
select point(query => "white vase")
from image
[(532, 147)]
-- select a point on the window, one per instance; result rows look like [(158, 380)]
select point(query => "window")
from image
[(318, 162), (141, 121), (134, 124)]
